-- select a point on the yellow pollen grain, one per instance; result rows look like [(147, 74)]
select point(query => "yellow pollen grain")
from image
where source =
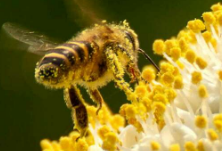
[(201, 62), (65, 143), (136, 124), (209, 17), (166, 67), (190, 146), (160, 98), (180, 64), (158, 47), (56, 146), (219, 18), (220, 74), (213, 42), (196, 77), (122, 110), (167, 78), (207, 36), (130, 111), (190, 56), (175, 53), (183, 44), (102, 131), (200, 146), (117, 121), (148, 74), (110, 142), (147, 103), (141, 91), (178, 83), (46, 144), (218, 122), (175, 147), (192, 37), (170, 43), (196, 25), (81, 145), (202, 91), (216, 7), (159, 107), (74, 135), (155, 146), (170, 94), (201, 121), (212, 135)]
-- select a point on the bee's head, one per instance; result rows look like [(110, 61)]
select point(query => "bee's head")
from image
[(50, 73)]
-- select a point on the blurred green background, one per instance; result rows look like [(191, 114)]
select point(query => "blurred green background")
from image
[(28, 111)]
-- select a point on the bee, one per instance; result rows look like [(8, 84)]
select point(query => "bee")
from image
[(91, 59)]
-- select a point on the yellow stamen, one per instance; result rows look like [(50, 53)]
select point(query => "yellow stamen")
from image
[(190, 56), (155, 146), (160, 98), (200, 121), (46, 144), (148, 74), (130, 111), (183, 44), (189, 146), (117, 121), (110, 142), (170, 94), (175, 53), (201, 62), (175, 147), (216, 7), (207, 36), (196, 25), (81, 145), (178, 83), (212, 134), (167, 78), (141, 90), (209, 17), (169, 45), (147, 103), (196, 77), (65, 143), (102, 131), (159, 47), (220, 74), (202, 91), (218, 122), (200, 146)]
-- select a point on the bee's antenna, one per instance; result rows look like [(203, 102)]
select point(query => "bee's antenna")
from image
[(148, 57)]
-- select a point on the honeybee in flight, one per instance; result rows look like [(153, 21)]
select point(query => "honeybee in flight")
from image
[(94, 57)]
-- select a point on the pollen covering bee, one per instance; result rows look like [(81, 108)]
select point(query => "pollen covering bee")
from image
[(93, 58)]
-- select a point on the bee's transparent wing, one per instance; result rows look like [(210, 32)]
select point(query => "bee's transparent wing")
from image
[(37, 43), (85, 12)]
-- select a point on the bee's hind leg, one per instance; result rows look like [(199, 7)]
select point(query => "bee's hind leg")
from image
[(75, 102), (96, 97), (115, 66)]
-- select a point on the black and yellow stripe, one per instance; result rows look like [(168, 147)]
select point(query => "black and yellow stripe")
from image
[(69, 53)]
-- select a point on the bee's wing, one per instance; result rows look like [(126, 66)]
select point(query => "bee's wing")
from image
[(85, 12), (37, 43)]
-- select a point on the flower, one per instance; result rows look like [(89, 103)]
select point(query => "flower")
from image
[(179, 110)]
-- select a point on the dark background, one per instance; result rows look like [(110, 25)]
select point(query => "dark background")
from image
[(28, 111)]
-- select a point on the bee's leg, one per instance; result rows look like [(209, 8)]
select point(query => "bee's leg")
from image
[(115, 66), (75, 102), (96, 97), (131, 68)]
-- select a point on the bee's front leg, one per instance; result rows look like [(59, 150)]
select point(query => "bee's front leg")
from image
[(75, 102), (116, 67), (131, 68), (96, 96)]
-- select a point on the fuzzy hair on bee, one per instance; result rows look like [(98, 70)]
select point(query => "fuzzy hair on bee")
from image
[(91, 59)]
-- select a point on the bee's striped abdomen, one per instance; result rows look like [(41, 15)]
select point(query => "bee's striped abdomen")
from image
[(68, 54)]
